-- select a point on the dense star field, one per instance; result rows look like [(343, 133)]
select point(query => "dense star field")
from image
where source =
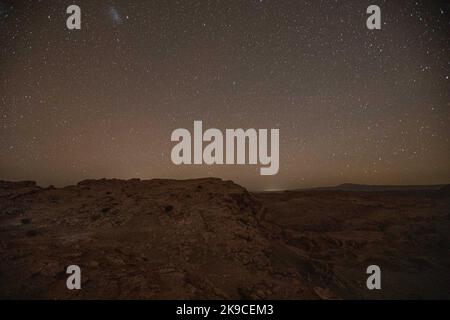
[(351, 104)]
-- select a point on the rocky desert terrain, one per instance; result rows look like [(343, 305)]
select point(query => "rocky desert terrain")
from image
[(212, 239)]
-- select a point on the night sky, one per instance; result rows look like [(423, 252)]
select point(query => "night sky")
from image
[(352, 104)]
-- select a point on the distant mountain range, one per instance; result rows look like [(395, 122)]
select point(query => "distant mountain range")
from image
[(369, 188)]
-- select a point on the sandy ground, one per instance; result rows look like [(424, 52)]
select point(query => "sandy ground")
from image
[(212, 239)]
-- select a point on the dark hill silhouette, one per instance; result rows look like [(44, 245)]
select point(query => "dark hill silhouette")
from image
[(381, 188)]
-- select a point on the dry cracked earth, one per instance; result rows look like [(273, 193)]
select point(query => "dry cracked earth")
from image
[(212, 239)]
